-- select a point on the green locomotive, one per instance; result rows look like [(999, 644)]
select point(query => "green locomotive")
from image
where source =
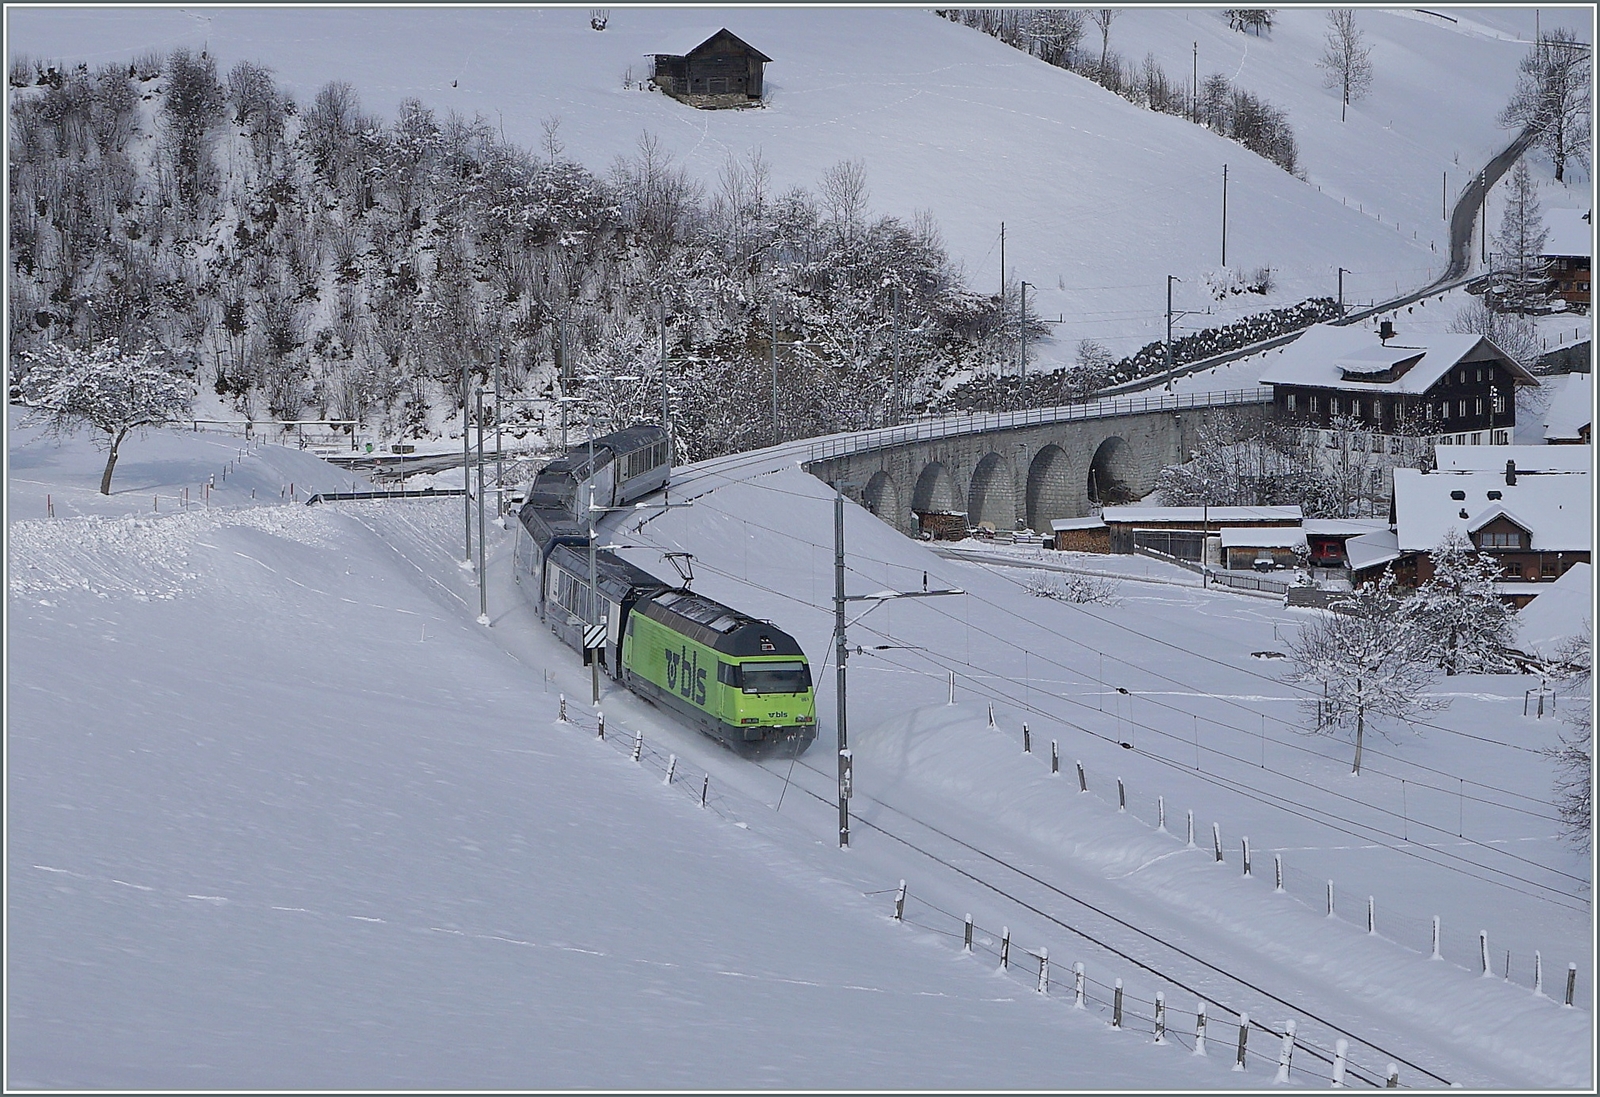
[(743, 681)]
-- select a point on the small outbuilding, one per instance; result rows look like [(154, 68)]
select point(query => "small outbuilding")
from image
[(1262, 548), (1181, 531), (711, 70), (1089, 534)]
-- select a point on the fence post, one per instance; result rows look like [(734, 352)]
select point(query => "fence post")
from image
[(638, 744), (1245, 845), (1286, 1055), (561, 717), (1572, 983), (1122, 796), (1200, 1029), (1330, 898), (672, 765), (1044, 971), (1055, 758), (1083, 782), (966, 944), (1339, 1048), (1372, 922), (705, 788), (900, 903), (1027, 740), (1005, 947), (601, 729), (1161, 1017), (1161, 813), (1435, 955), (1394, 1078), (1077, 985), (1244, 1036), (952, 688), (991, 714), (1483, 951), (1116, 1006), (1216, 841), (1277, 872), (1191, 830), (1538, 974)]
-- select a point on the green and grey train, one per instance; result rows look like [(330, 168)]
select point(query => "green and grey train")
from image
[(741, 680)]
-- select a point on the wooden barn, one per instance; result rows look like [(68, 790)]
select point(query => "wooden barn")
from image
[(718, 69)]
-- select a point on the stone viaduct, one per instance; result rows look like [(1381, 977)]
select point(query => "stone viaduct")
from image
[(1022, 469)]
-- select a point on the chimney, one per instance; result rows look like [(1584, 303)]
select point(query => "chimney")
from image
[(1511, 474), (1386, 330)]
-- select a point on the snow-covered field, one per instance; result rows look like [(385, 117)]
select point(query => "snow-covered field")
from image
[(282, 814), (1102, 199)]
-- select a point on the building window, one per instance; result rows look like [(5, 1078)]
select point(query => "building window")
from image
[(1513, 569), (1499, 401), (1477, 405), (1501, 541), (1461, 439), (1427, 412), (1502, 437), (1377, 443), (1477, 437), (1444, 409), (1289, 402), (1547, 568)]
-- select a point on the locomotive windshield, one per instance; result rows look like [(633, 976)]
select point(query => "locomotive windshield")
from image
[(775, 677)]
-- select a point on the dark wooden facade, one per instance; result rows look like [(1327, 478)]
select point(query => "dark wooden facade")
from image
[(723, 67), (1472, 396), (1569, 279)]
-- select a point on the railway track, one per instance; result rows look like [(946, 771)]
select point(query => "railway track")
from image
[(1164, 954)]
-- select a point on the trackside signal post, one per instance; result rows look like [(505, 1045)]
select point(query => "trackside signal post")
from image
[(841, 653)]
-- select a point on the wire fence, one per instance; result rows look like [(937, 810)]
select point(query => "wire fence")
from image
[(1210, 1028), (688, 779), (1426, 935)]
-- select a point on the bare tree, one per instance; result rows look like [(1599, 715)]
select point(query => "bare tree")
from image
[(1515, 335), (1520, 270), (1364, 660), (104, 388), (1345, 62), (1573, 756), (1102, 20), (844, 195), (1552, 97)]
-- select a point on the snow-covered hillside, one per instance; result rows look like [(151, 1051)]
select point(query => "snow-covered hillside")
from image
[(1102, 200), (281, 813)]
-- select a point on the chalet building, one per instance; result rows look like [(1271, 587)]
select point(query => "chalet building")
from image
[(1182, 531), (711, 70), (1536, 524), (1449, 388), (1567, 252)]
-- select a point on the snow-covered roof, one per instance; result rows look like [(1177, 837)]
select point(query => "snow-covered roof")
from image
[(1528, 458), (1371, 549), (1571, 407), (1213, 515), (1289, 537), (1554, 507), (1342, 527), (1569, 232), (1560, 610), (1094, 521), (1332, 357), (681, 43)]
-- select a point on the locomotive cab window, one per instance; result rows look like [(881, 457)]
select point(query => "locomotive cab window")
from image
[(792, 677)]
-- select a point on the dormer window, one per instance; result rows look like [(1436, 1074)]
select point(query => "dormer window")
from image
[(1500, 540)]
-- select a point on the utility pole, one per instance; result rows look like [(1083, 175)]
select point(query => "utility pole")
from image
[(1483, 211), (1003, 310), (841, 650), (1224, 215), (594, 599), (1342, 273), (896, 409), (483, 584), (1194, 86), (666, 416), (1022, 389), (772, 357), (839, 659), (499, 446), (466, 461), (1444, 196), (1171, 278), (561, 374)]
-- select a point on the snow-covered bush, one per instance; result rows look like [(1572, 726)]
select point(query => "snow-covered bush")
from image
[(1080, 590), (1464, 624)]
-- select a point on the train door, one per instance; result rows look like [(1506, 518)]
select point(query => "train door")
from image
[(614, 639)]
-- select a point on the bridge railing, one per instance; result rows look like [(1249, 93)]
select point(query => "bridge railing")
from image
[(950, 426)]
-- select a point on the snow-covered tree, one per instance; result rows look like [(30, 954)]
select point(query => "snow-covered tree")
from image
[(1520, 276), (1366, 659), (1553, 98), (112, 391), (1102, 20), (1346, 63), (1573, 755), (1464, 623)]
